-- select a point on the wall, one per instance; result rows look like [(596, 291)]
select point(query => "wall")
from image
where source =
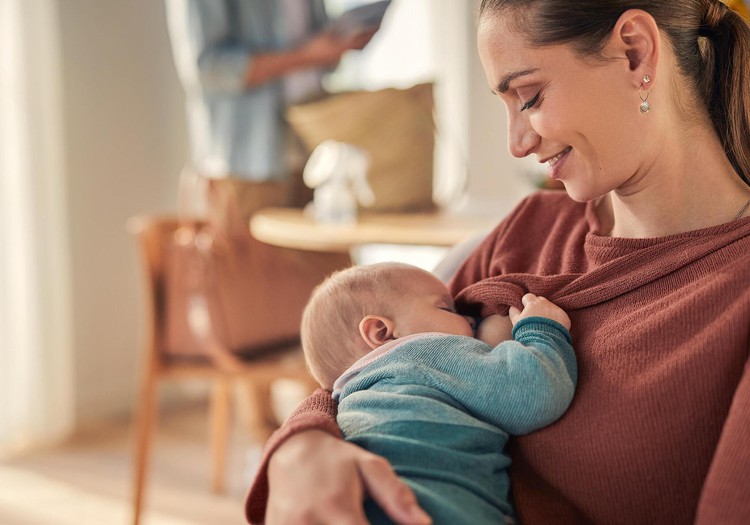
[(495, 181), (126, 142), (125, 145)]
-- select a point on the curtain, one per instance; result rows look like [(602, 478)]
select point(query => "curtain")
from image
[(36, 388)]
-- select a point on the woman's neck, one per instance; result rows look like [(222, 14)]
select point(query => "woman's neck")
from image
[(694, 187)]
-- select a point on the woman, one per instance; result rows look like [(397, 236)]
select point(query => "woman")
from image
[(642, 110)]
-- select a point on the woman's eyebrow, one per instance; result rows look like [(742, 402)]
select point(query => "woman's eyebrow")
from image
[(503, 85)]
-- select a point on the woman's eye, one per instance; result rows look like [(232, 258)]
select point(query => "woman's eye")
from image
[(531, 103)]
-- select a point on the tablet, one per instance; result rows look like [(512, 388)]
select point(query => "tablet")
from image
[(361, 18)]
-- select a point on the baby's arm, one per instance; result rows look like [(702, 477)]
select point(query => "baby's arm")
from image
[(496, 328), (520, 385)]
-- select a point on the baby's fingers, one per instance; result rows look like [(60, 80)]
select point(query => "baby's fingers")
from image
[(529, 299), (513, 313)]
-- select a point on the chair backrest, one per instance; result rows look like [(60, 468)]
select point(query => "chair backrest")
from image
[(150, 233), (202, 284)]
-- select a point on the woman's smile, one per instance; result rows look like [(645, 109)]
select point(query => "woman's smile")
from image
[(555, 163)]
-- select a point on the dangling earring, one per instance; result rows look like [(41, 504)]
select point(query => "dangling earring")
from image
[(645, 105)]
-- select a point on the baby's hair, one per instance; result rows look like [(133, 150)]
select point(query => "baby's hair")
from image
[(330, 322)]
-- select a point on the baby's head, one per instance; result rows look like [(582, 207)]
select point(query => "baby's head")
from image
[(358, 309)]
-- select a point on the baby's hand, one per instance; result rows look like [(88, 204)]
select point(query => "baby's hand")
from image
[(537, 306), (495, 329)]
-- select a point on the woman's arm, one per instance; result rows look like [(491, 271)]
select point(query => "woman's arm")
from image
[(317, 412), (319, 479), (726, 491), (309, 475)]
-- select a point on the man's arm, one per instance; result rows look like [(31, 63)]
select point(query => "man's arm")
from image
[(206, 52), (322, 51)]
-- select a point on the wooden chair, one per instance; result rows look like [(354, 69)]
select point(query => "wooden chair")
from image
[(218, 365)]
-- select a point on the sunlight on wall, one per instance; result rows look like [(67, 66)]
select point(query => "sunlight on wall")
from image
[(15, 278), (35, 364), (401, 54)]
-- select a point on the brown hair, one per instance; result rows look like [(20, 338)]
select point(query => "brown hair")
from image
[(330, 322), (711, 44)]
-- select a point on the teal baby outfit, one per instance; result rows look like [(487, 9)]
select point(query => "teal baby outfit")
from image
[(441, 408)]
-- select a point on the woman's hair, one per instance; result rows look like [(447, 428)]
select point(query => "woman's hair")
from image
[(711, 44), (330, 322)]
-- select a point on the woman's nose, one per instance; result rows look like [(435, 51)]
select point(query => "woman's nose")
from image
[(522, 139)]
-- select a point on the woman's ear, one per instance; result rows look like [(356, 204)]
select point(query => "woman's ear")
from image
[(636, 37), (376, 330)]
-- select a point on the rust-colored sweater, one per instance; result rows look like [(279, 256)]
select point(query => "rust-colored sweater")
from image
[(659, 430)]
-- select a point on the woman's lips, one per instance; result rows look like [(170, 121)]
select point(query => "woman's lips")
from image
[(557, 157), (555, 163)]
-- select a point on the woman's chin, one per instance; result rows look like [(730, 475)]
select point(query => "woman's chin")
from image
[(581, 194)]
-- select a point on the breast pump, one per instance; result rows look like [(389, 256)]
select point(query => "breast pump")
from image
[(337, 172)]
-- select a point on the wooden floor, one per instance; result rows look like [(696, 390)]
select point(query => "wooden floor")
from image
[(88, 481)]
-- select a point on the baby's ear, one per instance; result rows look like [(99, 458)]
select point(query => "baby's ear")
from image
[(376, 330)]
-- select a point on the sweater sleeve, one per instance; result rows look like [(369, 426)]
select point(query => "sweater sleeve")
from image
[(726, 492), (317, 412)]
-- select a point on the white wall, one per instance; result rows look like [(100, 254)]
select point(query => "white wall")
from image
[(126, 142), (476, 119), (125, 145)]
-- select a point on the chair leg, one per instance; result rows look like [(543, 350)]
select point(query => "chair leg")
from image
[(220, 401), (260, 418), (145, 422)]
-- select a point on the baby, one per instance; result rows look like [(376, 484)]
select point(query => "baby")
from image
[(414, 385)]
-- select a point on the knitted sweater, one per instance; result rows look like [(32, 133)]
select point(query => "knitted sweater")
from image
[(440, 409), (659, 429)]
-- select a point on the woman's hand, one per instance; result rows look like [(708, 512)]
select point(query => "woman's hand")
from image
[(317, 478)]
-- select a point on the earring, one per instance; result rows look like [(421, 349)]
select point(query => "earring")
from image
[(645, 106)]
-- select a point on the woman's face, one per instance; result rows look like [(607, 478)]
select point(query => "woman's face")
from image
[(578, 117)]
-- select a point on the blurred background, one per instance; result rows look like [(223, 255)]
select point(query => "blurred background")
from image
[(92, 132)]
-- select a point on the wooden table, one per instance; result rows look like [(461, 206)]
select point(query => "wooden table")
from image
[(292, 228)]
